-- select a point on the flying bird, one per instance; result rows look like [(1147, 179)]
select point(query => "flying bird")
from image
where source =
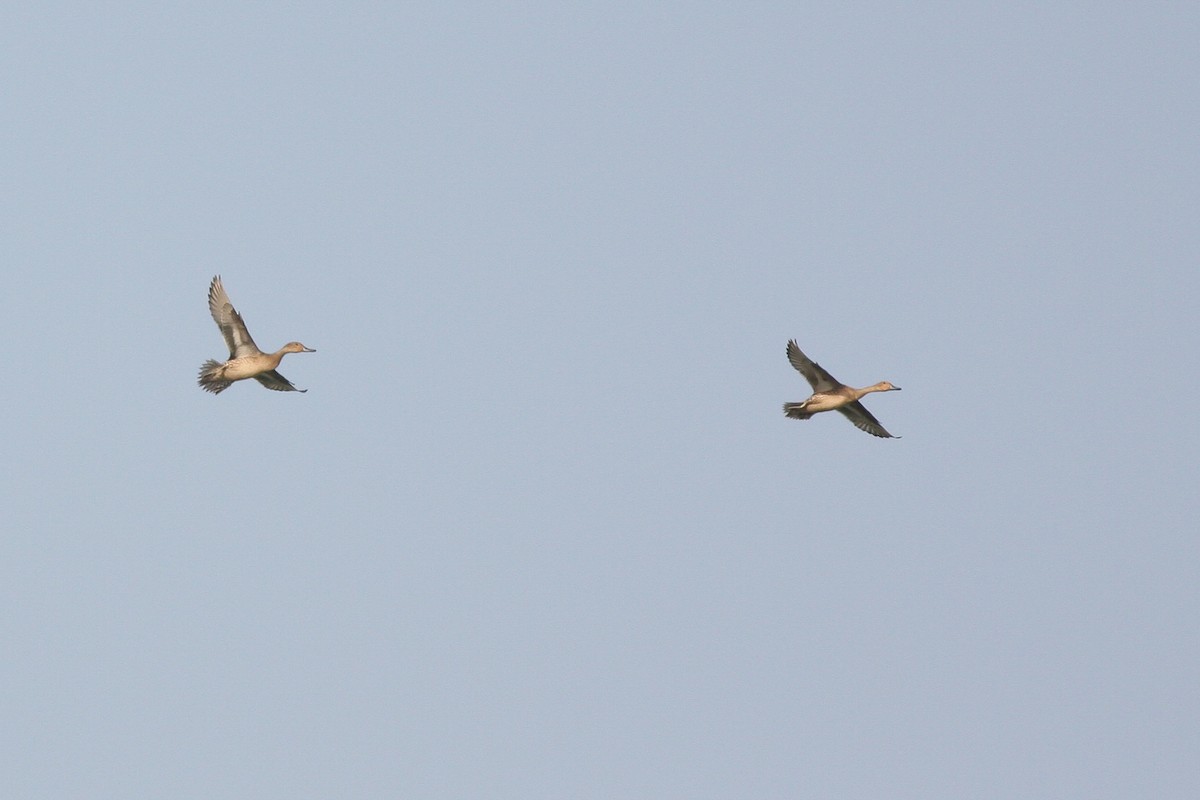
[(830, 394), (245, 359)]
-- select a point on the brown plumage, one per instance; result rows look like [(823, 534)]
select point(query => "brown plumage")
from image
[(830, 394), (245, 359)]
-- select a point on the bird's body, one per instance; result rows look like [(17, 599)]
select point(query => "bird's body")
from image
[(830, 394), (245, 359)]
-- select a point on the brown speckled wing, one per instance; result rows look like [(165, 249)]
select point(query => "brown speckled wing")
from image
[(864, 420), (818, 378), (230, 322), (273, 380)]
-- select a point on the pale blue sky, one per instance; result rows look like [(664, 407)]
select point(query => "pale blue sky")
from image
[(539, 528)]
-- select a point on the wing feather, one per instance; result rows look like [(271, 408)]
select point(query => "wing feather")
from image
[(864, 420), (273, 380), (817, 377), (230, 322)]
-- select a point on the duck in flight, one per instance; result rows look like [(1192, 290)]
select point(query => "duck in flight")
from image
[(245, 359), (830, 394)]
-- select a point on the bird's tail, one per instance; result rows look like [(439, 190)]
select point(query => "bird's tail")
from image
[(796, 411), (210, 379)]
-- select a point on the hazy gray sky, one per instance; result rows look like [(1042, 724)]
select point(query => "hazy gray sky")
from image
[(539, 528)]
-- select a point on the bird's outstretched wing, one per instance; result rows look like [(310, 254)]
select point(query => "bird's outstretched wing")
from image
[(273, 380), (818, 378), (864, 420), (229, 321)]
